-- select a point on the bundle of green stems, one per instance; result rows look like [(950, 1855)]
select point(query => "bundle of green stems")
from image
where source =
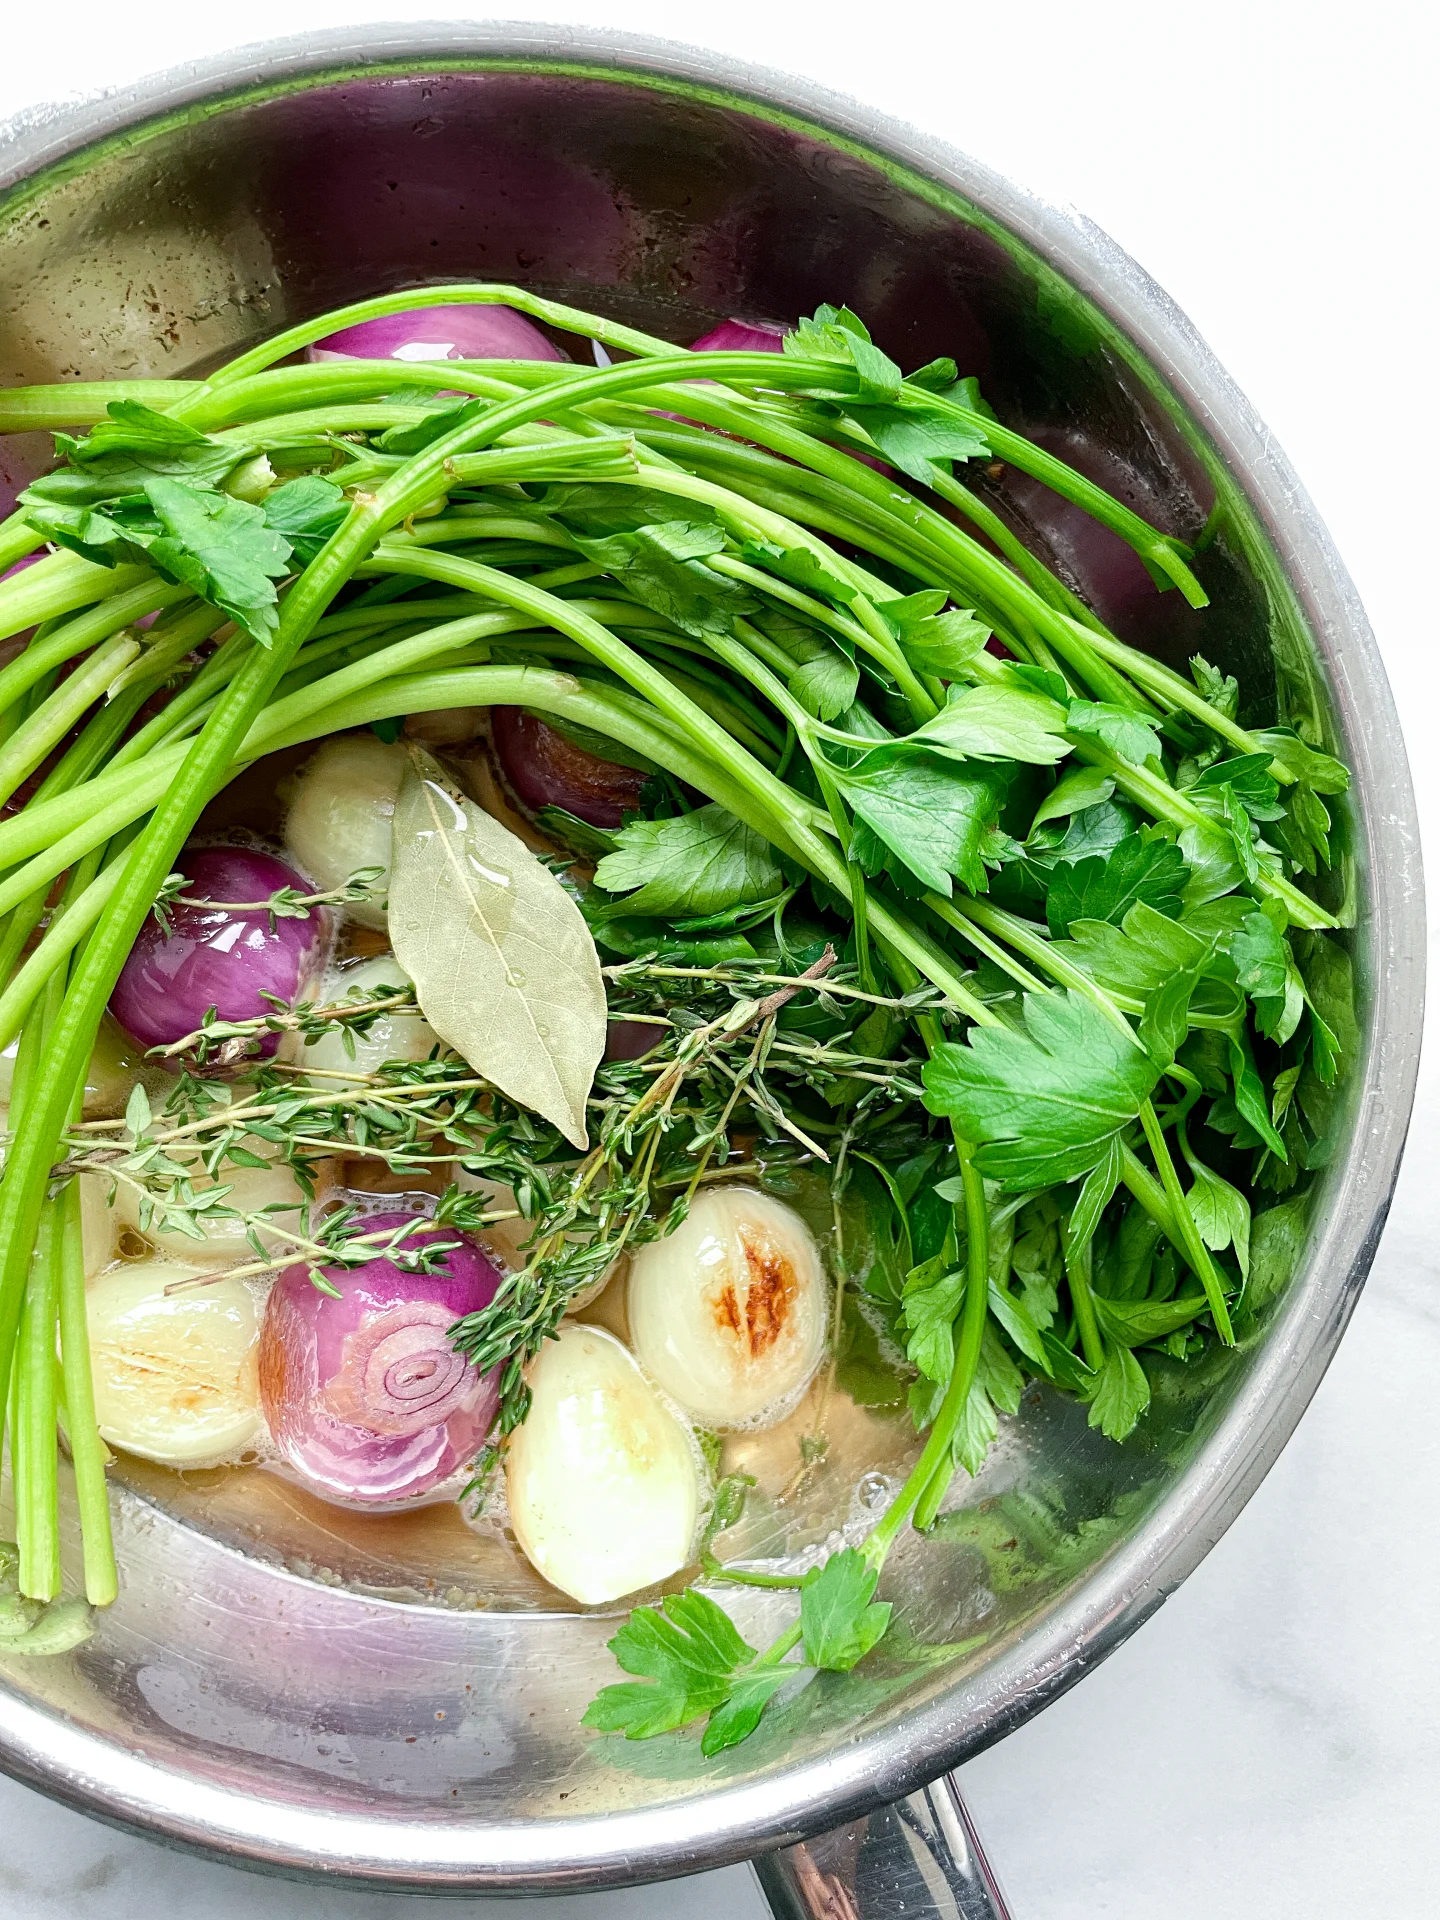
[(452, 581)]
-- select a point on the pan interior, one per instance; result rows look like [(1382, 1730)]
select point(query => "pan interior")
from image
[(306, 1674)]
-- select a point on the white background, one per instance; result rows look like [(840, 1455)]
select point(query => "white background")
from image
[(1270, 1743)]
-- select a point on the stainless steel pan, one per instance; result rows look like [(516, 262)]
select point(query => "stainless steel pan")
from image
[(277, 1708)]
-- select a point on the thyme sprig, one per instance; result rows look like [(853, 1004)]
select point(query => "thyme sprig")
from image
[(286, 903), (722, 1078), (226, 1042)]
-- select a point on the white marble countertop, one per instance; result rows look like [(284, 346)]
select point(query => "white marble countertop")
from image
[(1270, 1742)]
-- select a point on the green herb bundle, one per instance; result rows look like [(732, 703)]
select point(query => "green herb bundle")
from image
[(935, 883)]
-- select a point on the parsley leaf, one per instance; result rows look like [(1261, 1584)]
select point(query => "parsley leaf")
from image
[(934, 641), (1303, 762), (1330, 988), (800, 567), (1081, 789), (129, 447), (594, 842), (305, 512), (991, 723), (1265, 970), (1128, 735), (662, 566), (222, 549), (132, 427), (931, 1300), (825, 678), (1249, 1090), (1045, 1103), (1106, 889), (995, 1389), (1166, 1019), (1120, 1393), (688, 1656), (1134, 1322), (1277, 1245), (1095, 1195), (1249, 778), (433, 424), (600, 509), (836, 334), (1142, 953), (1213, 851), (1098, 829), (737, 1718), (915, 439), (96, 536), (932, 815), (839, 1617), (697, 864), (1220, 1212), (1019, 1323), (1219, 690)]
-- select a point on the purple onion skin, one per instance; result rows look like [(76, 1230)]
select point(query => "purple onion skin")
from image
[(454, 333), (547, 770), (747, 336), (367, 1400), (215, 958), (740, 336)]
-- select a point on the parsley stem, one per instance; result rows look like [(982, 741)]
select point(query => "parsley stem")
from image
[(1176, 692), (61, 584), (778, 1648), (1158, 550), (18, 539), (83, 631), (973, 1316), (743, 1577), (88, 1452), (1033, 571), (967, 915), (962, 559), (53, 718), (1078, 1262), (1196, 1252), (35, 1466), (80, 403), (570, 319), (69, 926)]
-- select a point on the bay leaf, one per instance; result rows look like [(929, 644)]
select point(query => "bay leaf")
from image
[(504, 966)]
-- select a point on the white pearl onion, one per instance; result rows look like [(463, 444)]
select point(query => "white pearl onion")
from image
[(603, 1480), (394, 1036), (340, 814), (728, 1313), (175, 1375)]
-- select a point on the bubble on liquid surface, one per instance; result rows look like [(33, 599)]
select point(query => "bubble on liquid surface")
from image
[(874, 1492)]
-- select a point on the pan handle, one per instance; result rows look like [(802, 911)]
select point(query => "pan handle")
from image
[(919, 1858)]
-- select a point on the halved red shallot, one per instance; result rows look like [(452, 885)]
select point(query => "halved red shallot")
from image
[(367, 1399), (547, 770)]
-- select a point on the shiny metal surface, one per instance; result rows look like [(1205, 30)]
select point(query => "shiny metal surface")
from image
[(919, 1859), (277, 1713)]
